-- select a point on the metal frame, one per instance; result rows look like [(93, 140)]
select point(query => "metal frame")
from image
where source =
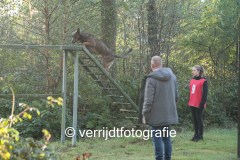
[(74, 51), (66, 49)]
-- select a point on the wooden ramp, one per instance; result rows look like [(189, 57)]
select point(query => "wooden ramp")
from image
[(109, 86)]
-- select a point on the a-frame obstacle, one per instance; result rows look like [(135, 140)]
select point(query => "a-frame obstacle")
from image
[(91, 65)]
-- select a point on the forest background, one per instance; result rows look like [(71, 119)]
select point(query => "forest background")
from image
[(183, 33)]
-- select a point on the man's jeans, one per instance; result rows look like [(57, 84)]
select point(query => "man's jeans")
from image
[(162, 143)]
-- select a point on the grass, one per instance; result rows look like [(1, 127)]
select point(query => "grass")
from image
[(218, 144)]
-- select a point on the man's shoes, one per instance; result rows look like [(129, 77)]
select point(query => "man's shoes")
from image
[(197, 138), (194, 137)]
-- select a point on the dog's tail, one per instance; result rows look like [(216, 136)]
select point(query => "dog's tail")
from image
[(124, 55)]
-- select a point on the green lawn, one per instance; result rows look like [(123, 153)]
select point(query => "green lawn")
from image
[(218, 144)]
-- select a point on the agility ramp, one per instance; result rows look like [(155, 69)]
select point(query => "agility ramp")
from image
[(91, 65), (109, 86)]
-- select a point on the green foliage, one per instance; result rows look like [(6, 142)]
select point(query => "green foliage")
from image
[(50, 119), (190, 32), (48, 115), (95, 108), (12, 146), (15, 147), (208, 38)]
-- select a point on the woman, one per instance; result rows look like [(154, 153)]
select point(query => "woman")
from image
[(197, 100)]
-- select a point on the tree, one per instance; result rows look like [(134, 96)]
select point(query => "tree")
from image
[(152, 28), (238, 53), (108, 24), (238, 60)]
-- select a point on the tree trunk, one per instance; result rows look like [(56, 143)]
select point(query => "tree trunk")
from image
[(152, 28), (46, 42), (238, 51), (108, 25), (47, 12), (238, 59)]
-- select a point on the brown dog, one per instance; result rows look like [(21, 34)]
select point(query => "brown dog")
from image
[(97, 46), (85, 156)]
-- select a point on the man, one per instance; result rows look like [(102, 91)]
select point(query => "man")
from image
[(159, 107)]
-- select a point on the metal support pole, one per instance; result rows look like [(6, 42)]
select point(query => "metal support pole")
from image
[(64, 95), (75, 99)]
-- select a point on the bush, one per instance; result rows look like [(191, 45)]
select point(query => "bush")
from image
[(14, 147), (50, 119)]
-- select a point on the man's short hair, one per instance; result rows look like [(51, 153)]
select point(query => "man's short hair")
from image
[(156, 60)]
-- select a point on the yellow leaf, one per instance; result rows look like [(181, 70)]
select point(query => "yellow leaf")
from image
[(42, 155), (59, 103), (6, 155), (29, 116), (50, 98), (25, 115), (60, 99)]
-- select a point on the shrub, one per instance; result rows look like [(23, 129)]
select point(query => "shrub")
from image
[(50, 119), (12, 146)]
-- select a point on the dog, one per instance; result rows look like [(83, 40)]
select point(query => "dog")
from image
[(97, 46), (85, 156)]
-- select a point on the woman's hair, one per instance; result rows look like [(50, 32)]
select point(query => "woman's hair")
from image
[(200, 69)]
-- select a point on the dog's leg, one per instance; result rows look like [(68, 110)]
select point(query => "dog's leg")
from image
[(89, 46), (107, 62), (78, 158), (86, 156), (109, 65), (102, 77)]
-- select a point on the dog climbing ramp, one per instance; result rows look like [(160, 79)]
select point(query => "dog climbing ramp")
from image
[(109, 86), (96, 71)]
